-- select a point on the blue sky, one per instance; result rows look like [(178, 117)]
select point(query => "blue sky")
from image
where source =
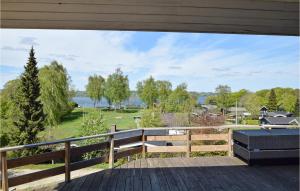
[(201, 60)]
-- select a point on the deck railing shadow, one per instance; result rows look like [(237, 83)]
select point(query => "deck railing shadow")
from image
[(165, 176)]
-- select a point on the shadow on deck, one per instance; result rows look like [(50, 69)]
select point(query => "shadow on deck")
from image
[(186, 174)]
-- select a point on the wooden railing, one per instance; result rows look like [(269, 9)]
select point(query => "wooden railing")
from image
[(110, 143)]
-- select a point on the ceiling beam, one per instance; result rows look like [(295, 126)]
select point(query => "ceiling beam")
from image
[(271, 17)]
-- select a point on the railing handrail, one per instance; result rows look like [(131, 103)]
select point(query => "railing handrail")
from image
[(18, 147)]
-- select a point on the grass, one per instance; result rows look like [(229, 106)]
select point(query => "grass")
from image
[(71, 124)]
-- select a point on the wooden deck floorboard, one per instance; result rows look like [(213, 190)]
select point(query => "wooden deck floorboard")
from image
[(203, 173)]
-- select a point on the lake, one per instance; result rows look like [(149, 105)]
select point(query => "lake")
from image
[(132, 101)]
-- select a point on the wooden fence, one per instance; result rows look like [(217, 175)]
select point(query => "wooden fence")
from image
[(140, 138)]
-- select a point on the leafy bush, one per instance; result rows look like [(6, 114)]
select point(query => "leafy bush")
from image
[(93, 125), (4, 139), (73, 105), (151, 118)]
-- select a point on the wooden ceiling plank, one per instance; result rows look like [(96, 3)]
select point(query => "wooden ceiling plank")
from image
[(148, 27), (171, 10), (147, 18), (230, 4), (279, 17)]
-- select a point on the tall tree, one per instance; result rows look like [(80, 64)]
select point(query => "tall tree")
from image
[(9, 111), (32, 120), (95, 88), (164, 89), (252, 103), (180, 100), (147, 91), (223, 97), (272, 103), (55, 92), (117, 87), (297, 109)]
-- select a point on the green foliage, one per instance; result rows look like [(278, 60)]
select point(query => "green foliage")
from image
[(236, 96), (31, 120), (285, 99), (95, 88), (252, 103), (251, 122), (164, 90), (55, 92), (287, 102), (93, 125), (148, 91), (151, 118), (152, 92), (272, 104), (211, 100), (223, 98), (180, 100), (208, 154), (296, 110), (117, 88), (9, 110), (4, 139)]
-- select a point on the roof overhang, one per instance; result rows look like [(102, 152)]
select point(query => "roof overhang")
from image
[(272, 17)]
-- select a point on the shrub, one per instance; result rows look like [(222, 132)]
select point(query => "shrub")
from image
[(151, 118), (4, 139), (93, 125)]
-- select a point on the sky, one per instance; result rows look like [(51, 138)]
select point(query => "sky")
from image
[(201, 60)]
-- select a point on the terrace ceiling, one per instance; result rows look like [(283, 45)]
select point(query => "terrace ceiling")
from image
[(278, 17)]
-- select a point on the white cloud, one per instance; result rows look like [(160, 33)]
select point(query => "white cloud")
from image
[(176, 56)]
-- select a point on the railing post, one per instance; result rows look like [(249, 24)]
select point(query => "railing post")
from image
[(229, 142), (143, 146), (188, 143), (4, 171), (67, 161), (111, 147)]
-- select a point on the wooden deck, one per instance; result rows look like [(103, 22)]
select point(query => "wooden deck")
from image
[(187, 174)]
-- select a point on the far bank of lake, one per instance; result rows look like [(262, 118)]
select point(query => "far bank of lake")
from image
[(135, 101)]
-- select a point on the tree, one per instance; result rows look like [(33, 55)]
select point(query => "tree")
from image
[(223, 97), (151, 118), (9, 111), (95, 88), (147, 91), (164, 89), (55, 92), (211, 100), (272, 103), (236, 96), (180, 100), (296, 110), (287, 102), (252, 103), (31, 121), (92, 125), (117, 88)]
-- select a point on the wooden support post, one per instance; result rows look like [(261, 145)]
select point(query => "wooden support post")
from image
[(4, 173), (67, 161), (188, 143), (112, 146), (229, 142), (143, 146)]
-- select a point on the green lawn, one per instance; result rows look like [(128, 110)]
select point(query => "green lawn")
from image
[(70, 126)]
